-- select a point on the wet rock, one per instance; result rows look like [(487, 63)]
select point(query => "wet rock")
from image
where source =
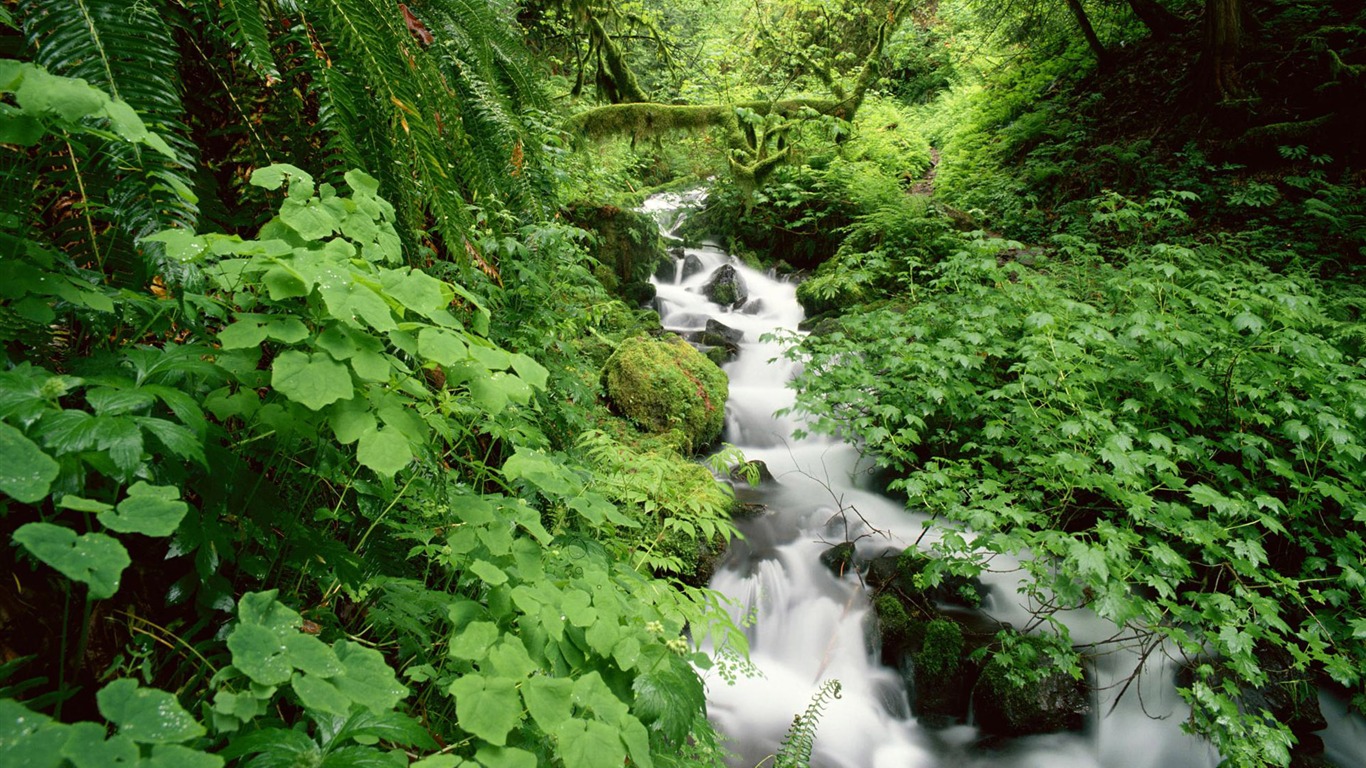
[(939, 675), (718, 355), (740, 473), (692, 265), (752, 307), (839, 558), (898, 571), (676, 251), (666, 270), (638, 294), (1003, 706), (732, 335), (726, 287)]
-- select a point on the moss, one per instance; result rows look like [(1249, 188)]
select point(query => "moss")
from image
[(892, 619), (941, 652), (665, 384)]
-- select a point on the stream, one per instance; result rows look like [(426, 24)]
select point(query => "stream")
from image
[(806, 625)]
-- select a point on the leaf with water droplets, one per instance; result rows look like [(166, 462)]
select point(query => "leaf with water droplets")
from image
[(146, 715), (26, 472), (152, 510), (92, 558)]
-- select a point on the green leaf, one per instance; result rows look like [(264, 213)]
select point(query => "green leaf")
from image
[(415, 290), (489, 573), (243, 334), (321, 694), (309, 654), (549, 700), (313, 380), (284, 283), (78, 504), (368, 680), (351, 419), (29, 739), (151, 510), (310, 220), (87, 748), (589, 744), (176, 756), (487, 707), (505, 757), (26, 472), (385, 451), (272, 176), (530, 371), (261, 654), (441, 346), (91, 558), (474, 640), (146, 715)]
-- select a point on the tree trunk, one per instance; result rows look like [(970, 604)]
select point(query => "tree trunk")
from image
[(1223, 40), (1155, 16), (1102, 56)]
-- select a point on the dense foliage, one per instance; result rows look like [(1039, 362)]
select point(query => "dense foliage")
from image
[(304, 455)]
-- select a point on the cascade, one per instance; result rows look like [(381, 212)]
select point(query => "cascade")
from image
[(805, 625)]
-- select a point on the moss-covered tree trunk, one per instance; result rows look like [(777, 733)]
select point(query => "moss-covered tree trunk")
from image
[(1089, 32)]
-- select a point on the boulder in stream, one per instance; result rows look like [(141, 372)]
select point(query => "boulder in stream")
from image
[(726, 287), (1006, 705), (666, 384), (692, 265)]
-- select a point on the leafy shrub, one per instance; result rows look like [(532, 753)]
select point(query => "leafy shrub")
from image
[(1176, 441)]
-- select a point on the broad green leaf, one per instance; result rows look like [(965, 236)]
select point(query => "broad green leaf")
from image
[(26, 472), (86, 747), (510, 659), (626, 652), (177, 438), (549, 700), (310, 220), (321, 694), (121, 438), (385, 451), (415, 290), (146, 715), (309, 654), (78, 504), (443, 761), (637, 741), (111, 401), (284, 283), (176, 756), (489, 573), (371, 366), (530, 371), (441, 346), (368, 680), (29, 739), (351, 302), (474, 640), (487, 707), (589, 744), (272, 176), (265, 610), (313, 380), (151, 510), (91, 558), (505, 757), (260, 653), (243, 334), (350, 419)]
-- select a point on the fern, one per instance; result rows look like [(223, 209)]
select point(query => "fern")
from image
[(244, 26), (128, 50), (795, 751)]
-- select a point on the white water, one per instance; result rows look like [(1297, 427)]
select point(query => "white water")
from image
[(807, 626)]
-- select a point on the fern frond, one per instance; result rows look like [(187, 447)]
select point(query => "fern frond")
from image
[(129, 51), (795, 751), (244, 26)]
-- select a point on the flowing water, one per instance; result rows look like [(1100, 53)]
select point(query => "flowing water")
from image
[(806, 625)]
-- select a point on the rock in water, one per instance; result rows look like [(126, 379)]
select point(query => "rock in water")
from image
[(732, 335), (726, 287), (665, 384)]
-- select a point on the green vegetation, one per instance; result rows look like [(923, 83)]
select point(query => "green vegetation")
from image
[(664, 385), (305, 446)]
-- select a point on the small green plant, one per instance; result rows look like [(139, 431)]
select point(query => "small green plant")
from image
[(795, 751)]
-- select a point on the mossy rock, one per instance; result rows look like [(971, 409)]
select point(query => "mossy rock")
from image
[(1009, 706), (664, 385)]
